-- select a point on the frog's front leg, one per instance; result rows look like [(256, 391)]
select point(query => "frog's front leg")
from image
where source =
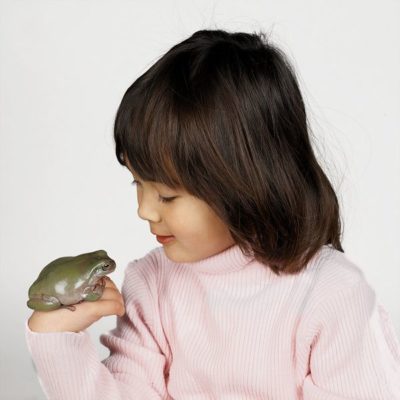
[(93, 293), (44, 302)]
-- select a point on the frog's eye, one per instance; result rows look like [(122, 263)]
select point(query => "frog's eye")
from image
[(105, 267)]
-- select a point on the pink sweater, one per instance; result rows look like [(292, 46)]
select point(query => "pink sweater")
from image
[(227, 328)]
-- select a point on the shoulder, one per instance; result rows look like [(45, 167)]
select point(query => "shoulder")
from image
[(336, 287), (331, 270), (329, 276)]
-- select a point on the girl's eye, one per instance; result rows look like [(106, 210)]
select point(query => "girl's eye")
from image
[(166, 199), (162, 199)]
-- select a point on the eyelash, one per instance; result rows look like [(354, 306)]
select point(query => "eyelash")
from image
[(163, 199)]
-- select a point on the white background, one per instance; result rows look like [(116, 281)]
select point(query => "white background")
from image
[(64, 66)]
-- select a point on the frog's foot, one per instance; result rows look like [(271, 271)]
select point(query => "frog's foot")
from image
[(93, 293), (70, 307), (44, 302)]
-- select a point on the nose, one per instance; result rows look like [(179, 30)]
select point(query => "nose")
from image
[(148, 204), (148, 216), (147, 212)]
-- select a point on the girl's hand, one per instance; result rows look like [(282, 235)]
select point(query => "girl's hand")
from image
[(86, 312)]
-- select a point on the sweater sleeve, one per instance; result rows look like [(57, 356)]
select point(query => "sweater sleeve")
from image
[(355, 354), (67, 364)]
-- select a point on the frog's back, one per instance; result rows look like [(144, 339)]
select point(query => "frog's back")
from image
[(55, 268), (56, 265)]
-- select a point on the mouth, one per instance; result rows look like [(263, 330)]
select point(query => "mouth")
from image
[(165, 239)]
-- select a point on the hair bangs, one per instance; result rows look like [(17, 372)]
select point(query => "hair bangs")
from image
[(146, 132)]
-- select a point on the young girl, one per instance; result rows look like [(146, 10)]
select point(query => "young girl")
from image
[(250, 295)]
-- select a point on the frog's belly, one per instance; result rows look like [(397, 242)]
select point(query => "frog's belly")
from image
[(69, 299)]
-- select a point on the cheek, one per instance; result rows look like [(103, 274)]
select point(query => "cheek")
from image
[(187, 220), (198, 222), (180, 221)]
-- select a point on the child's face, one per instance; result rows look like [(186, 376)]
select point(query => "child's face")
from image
[(198, 232)]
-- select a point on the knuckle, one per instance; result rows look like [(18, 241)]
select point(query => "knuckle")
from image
[(120, 309)]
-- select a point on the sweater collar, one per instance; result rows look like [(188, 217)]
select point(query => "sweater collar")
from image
[(229, 260)]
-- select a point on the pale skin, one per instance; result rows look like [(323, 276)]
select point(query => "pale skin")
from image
[(198, 233)]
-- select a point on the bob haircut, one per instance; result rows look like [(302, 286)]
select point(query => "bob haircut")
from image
[(221, 115)]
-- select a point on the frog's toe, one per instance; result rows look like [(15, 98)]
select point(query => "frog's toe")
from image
[(70, 307), (93, 293), (43, 303)]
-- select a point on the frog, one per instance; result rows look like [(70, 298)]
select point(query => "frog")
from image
[(70, 280)]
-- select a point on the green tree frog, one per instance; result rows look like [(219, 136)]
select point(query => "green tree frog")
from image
[(70, 280)]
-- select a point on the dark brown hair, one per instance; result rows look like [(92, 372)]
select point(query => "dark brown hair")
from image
[(221, 115)]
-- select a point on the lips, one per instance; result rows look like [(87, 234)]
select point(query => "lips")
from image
[(157, 234), (164, 239)]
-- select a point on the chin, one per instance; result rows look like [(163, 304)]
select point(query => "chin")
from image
[(175, 257)]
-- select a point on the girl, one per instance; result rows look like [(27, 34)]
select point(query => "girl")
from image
[(250, 295)]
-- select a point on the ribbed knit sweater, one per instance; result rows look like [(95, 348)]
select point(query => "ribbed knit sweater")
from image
[(227, 328)]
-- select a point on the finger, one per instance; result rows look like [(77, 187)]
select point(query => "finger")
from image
[(108, 307), (111, 305), (109, 283), (111, 294)]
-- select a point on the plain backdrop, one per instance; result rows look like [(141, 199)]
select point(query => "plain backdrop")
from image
[(64, 67)]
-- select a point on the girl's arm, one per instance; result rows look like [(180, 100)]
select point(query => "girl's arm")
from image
[(355, 353), (67, 363)]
